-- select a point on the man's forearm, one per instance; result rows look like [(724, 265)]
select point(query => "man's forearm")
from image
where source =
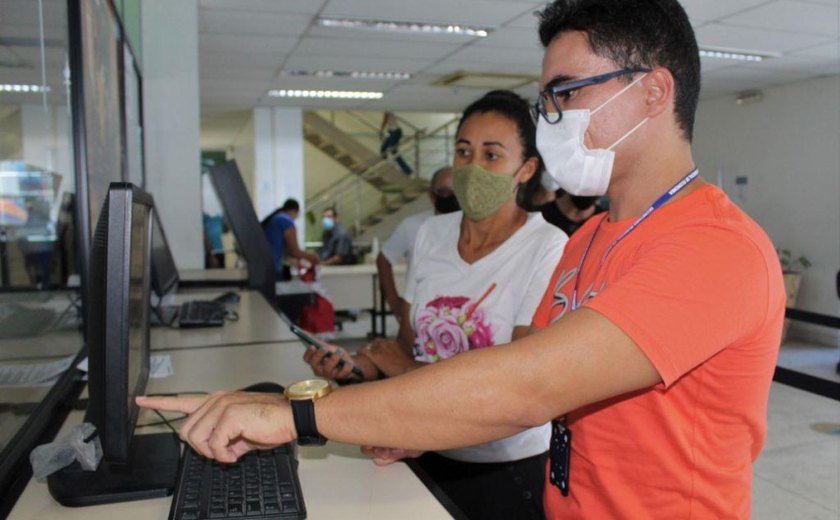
[(492, 393)]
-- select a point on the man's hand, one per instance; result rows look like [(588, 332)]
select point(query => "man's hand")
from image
[(226, 425), (335, 363), (385, 456)]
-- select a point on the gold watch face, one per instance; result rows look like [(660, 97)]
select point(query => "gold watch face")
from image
[(309, 389)]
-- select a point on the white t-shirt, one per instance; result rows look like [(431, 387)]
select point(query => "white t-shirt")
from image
[(443, 291), (401, 243)]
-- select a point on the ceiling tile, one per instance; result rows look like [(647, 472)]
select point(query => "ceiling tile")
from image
[(277, 6), (213, 42), (830, 51), (365, 63), (372, 48), (708, 10), (285, 82), (253, 23), (468, 12), (720, 35), (513, 37), (786, 15), (238, 60), (501, 56)]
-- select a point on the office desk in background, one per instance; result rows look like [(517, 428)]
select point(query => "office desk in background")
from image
[(337, 480), (257, 323)]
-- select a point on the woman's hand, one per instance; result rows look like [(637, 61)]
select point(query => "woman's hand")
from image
[(389, 357), (385, 456), (226, 425), (333, 362)]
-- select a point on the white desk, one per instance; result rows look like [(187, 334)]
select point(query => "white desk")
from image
[(257, 323), (337, 480)]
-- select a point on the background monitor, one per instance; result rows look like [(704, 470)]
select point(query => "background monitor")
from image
[(240, 214), (164, 271), (133, 467)]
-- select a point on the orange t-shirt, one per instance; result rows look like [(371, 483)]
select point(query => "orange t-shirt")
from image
[(698, 287)]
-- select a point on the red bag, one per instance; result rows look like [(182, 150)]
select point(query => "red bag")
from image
[(318, 317)]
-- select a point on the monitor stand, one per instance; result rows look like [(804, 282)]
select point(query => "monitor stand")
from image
[(150, 472)]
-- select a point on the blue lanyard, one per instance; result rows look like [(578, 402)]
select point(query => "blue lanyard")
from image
[(661, 201)]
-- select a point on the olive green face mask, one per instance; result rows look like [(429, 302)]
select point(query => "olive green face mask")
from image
[(480, 192)]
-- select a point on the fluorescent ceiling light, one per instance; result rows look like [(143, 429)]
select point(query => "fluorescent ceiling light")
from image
[(735, 54), (23, 89), (348, 74), (405, 27), (325, 94)]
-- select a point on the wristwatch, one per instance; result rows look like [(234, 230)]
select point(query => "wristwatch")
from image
[(302, 396)]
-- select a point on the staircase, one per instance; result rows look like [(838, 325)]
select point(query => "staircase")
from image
[(375, 187)]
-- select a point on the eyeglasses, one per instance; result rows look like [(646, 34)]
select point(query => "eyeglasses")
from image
[(548, 104)]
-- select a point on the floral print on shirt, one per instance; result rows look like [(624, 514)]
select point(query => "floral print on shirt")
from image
[(450, 325)]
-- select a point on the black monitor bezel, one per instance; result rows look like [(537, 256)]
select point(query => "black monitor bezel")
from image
[(110, 409)]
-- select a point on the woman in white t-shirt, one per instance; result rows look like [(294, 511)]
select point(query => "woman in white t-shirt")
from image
[(475, 280)]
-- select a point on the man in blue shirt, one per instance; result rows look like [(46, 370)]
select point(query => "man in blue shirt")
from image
[(279, 228)]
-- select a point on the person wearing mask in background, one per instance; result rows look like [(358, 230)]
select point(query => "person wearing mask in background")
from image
[(475, 279), (279, 229), (657, 336), (401, 243), (337, 248), (569, 212)]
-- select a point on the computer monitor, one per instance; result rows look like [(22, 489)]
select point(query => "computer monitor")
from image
[(133, 467), (164, 272), (241, 216)]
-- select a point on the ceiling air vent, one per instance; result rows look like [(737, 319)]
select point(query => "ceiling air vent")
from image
[(485, 80)]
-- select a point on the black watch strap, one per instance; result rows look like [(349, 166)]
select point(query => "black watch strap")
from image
[(303, 412)]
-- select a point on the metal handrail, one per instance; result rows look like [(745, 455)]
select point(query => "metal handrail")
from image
[(377, 162)]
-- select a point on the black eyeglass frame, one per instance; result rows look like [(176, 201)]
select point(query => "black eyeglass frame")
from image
[(539, 107)]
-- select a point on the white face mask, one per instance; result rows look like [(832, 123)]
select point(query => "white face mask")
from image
[(568, 162)]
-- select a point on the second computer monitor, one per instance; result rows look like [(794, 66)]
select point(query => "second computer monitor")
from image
[(241, 216)]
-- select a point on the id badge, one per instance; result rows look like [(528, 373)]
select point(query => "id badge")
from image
[(559, 456)]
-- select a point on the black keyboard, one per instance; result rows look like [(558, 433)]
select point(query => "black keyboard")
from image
[(262, 485), (201, 314)]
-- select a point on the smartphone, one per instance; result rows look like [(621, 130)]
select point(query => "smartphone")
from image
[(309, 340)]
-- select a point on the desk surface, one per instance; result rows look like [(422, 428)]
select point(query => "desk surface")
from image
[(337, 480), (257, 323)]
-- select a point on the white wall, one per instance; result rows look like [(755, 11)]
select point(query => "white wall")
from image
[(243, 151), (47, 142), (788, 148), (171, 123)]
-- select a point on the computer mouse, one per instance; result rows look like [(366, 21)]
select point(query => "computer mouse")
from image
[(228, 297), (265, 388)]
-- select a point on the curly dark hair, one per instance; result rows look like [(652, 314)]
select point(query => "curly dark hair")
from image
[(636, 33), (515, 108)]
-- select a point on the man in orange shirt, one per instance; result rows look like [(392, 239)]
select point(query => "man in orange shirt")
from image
[(654, 347)]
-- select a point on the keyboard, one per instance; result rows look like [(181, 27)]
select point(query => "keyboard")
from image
[(262, 485), (201, 314)]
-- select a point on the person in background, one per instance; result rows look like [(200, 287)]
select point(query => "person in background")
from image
[(391, 133), (211, 215), (569, 212), (401, 244), (475, 280), (658, 333), (337, 248), (279, 228)]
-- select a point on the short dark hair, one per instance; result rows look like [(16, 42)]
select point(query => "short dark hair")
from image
[(636, 33), (290, 205), (512, 106), (330, 208)]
